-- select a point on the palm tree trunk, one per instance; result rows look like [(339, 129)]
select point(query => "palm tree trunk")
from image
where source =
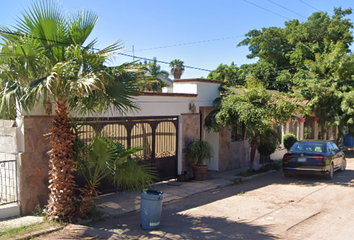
[(61, 203)]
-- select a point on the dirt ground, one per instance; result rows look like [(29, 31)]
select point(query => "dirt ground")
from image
[(268, 207)]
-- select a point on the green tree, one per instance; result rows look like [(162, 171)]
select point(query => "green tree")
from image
[(177, 68), (255, 108), (328, 83), (282, 52), (231, 76), (154, 78), (44, 59)]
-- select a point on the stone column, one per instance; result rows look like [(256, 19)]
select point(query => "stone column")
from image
[(315, 134), (287, 129), (301, 122), (284, 130)]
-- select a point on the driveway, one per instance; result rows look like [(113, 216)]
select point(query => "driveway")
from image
[(268, 207)]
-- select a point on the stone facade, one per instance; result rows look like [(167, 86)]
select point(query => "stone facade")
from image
[(190, 132), (34, 164), (231, 152)]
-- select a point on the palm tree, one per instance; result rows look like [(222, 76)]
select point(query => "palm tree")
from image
[(177, 68), (153, 78), (43, 59), (104, 158)]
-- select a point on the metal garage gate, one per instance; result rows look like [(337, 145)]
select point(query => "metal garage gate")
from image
[(158, 135)]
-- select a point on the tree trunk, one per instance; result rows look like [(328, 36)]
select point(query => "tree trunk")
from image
[(254, 146), (61, 203), (244, 150), (177, 73)]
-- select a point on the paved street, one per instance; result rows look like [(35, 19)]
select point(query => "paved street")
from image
[(268, 207)]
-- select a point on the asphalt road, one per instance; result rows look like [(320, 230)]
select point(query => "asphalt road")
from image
[(268, 207)]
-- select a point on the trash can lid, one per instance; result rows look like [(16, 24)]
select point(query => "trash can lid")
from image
[(153, 192)]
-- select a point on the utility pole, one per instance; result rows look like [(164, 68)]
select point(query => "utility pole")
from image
[(133, 53)]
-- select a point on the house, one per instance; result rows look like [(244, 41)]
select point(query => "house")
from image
[(165, 123)]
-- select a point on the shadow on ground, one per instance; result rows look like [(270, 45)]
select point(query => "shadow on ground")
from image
[(176, 224)]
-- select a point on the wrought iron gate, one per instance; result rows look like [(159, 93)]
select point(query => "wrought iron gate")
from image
[(158, 135), (8, 181)]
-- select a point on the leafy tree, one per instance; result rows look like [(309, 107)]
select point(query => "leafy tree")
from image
[(44, 59), (255, 108), (282, 52), (177, 68), (327, 82), (229, 75)]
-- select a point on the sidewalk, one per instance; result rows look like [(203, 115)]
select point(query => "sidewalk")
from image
[(115, 204)]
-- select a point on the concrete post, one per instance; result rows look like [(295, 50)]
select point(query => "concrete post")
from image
[(301, 122), (315, 134)]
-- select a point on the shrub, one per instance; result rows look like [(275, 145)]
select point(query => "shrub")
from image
[(268, 143), (199, 151), (289, 140)]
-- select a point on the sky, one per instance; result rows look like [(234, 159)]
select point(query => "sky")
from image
[(202, 34)]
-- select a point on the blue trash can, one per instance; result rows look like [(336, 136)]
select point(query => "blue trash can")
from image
[(150, 209)]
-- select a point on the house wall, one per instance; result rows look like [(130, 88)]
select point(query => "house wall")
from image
[(190, 132), (231, 152), (33, 163)]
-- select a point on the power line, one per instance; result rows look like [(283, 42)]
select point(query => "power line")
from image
[(190, 43), (164, 62), (308, 5), (286, 8), (266, 9), (201, 69)]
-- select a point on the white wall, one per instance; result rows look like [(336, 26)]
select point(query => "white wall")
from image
[(168, 104)]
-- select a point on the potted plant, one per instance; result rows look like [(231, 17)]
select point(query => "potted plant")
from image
[(198, 152)]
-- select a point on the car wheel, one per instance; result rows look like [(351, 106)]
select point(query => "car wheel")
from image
[(287, 175), (344, 165), (329, 175)]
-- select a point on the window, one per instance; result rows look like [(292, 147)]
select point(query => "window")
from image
[(335, 148), (330, 147), (238, 132)]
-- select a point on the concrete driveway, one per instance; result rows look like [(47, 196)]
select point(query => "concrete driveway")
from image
[(268, 207)]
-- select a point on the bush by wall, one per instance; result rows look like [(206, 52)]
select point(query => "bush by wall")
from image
[(289, 140)]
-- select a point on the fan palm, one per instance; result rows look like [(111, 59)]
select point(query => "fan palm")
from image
[(104, 158), (177, 68), (44, 59)]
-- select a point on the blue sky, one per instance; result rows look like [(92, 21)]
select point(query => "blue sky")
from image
[(203, 34)]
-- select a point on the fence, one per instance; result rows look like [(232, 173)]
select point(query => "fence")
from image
[(8, 182)]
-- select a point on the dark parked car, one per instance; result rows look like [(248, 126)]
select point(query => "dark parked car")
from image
[(314, 157)]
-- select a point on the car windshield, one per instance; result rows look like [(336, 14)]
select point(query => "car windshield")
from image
[(308, 147)]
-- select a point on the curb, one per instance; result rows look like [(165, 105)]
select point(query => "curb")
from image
[(38, 233), (244, 179), (238, 180)]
